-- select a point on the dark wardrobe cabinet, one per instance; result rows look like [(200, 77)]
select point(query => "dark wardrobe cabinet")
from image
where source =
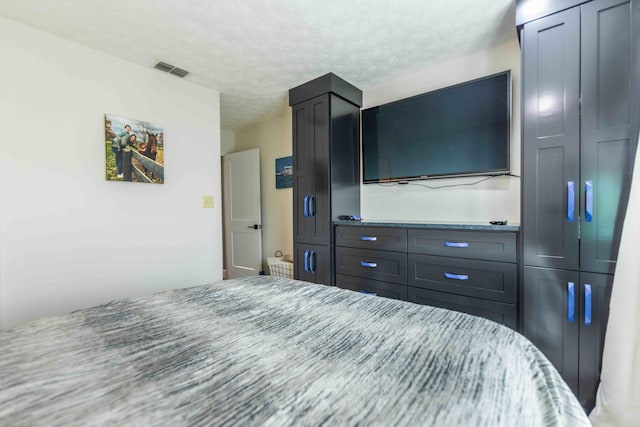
[(326, 169), (580, 127)]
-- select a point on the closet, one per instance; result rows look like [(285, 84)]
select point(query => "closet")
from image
[(580, 128), (326, 169)]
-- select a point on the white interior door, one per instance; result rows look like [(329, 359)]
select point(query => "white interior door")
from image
[(243, 231)]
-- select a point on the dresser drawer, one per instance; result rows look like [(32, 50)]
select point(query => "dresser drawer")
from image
[(372, 287), (492, 310), (378, 265), (483, 279), (379, 238), (492, 246)]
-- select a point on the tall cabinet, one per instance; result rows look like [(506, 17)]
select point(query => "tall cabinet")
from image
[(326, 169), (580, 129)]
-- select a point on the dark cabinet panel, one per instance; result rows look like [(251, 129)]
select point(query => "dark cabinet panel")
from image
[(594, 315), (607, 143), (476, 278), (312, 263), (551, 184), (382, 238), (492, 310), (550, 317), (372, 287), (311, 171), (378, 265), (566, 316), (492, 246)]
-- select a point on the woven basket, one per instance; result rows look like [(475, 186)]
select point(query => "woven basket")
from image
[(280, 267)]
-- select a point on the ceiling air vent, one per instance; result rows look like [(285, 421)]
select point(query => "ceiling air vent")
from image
[(171, 69), (179, 72)]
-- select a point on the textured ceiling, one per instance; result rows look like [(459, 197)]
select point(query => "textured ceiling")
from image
[(254, 51)]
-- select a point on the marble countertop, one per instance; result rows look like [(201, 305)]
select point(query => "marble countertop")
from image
[(433, 225)]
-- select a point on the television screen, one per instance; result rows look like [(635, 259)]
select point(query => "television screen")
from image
[(459, 130)]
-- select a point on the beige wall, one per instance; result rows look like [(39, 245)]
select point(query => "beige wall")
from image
[(68, 238), (227, 141), (273, 138)]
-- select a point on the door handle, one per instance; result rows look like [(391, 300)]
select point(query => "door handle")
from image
[(369, 293), (571, 302), (588, 209), (306, 205), (312, 262), (312, 203), (255, 227), (306, 261), (587, 305), (571, 196), (368, 264), (368, 238)]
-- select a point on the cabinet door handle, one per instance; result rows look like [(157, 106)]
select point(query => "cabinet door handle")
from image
[(571, 302), (571, 196), (306, 261), (456, 244), (456, 276), (588, 191), (312, 262), (312, 207), (368, 264), (368, 238), (373, 294), (587, 305), (306, 205)]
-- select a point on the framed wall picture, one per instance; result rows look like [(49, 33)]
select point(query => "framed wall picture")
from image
[(134, 150), (284, 172)]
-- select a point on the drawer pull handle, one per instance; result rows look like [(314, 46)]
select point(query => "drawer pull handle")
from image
[(368, 264), (456, 244), (456, 276), (373, 294), (587, 305), (368, 238), (571, 302)]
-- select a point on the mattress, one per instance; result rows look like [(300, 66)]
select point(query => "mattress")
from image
[(274, 351)]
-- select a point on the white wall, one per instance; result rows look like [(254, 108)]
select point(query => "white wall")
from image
[(273, 138), (69, 238), (497, 198)]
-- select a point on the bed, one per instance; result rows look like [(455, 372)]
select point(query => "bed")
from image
[(275, 351)]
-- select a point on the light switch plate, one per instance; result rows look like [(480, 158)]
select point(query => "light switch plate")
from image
[(207, 202)]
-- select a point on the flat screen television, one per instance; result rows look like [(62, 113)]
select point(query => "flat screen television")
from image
[(456, 131)]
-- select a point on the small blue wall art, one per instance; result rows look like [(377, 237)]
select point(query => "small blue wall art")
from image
[(284, 172)]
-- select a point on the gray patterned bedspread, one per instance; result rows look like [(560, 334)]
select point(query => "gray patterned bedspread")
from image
[(273, 351)]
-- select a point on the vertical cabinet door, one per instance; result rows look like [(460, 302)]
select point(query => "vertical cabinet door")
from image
[(607, 143), (319, 203), (311, 171), (551, 138), (312, 263), (594, 313), (302, 170), (551, 317)]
